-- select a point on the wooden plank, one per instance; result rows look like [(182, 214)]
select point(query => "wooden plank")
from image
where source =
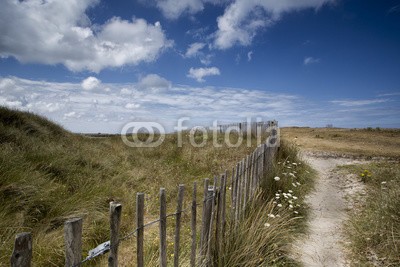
[(73, 241), (140, 229), (251, 177), (203, 216), (245, 182), (193, 226), (210, 229), (178, 216), (115, 219), (223, 210), (22, 253), (163, 228)]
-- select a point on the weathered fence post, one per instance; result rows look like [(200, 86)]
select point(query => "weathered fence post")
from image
[(246, 177), (193, 226), (115, 218), (140, 229), (73, 242), (22, 253), (221, 213), (210, 229), (203, 216), (163, 229), (178, 224)]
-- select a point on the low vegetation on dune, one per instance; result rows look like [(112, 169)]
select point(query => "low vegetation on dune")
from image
[(367, 142), (373, 228), (48, 175)]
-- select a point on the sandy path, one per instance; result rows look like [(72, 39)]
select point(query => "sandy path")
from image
[(323, 244)]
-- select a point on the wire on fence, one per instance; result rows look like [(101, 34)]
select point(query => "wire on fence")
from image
[(105, 247)]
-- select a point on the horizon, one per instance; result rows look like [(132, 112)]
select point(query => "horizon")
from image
[(93, 66)]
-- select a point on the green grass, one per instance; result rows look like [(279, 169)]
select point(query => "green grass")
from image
[(374, 228), (48, 175), (264, 236)]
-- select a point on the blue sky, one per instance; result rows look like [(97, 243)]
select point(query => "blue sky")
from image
[(94, 65)]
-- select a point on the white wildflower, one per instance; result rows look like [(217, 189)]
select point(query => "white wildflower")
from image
[(267, 225), (290, 191), (384, 182), (271, 215), (294, 197), (279, 205), (296, 212), (291, 206), (277, 178)]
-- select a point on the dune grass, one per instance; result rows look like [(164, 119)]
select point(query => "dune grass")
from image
[(368, 142), (48, 175), (373, 228)]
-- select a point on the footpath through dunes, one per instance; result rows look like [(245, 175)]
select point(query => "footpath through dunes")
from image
[(323, 244)]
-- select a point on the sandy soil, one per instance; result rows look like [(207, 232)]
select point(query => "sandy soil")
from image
[(329, 203)]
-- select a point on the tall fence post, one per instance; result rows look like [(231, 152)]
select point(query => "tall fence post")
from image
[(115, 218), (203, 217), (22, 253), (163, 229), (73, 242), (140, 229), (178, 224), (193, 226), (210, 229)]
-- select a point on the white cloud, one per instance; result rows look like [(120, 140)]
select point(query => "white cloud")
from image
[(100, 111), (125, 91), (242, 19), (357, 103), (132, 106), (60, 32), (90, 83), (249, 56), (310, 60), (206, 60), (154, 81), (194, 49), (200, 73), (172, 9)]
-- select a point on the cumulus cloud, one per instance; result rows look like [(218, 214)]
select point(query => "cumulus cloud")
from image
[(310, 60), (90, 83), (199, 73), (242, 19), (194, 49), (173, 9), (60, 32), (107, 111), (154, 81)]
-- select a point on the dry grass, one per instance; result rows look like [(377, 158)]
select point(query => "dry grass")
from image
[(48, 175), (374, 228), (358, 142)]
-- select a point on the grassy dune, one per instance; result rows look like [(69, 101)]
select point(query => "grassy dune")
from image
[(48, 175), (368, 142)]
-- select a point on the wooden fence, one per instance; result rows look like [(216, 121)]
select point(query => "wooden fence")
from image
[(244, 181), (252, 128)]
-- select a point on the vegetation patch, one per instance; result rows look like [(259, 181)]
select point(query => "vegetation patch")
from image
[(374, 228)]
